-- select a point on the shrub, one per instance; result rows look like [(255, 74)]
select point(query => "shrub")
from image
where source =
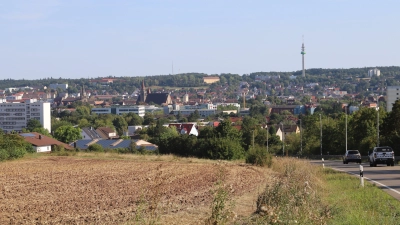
[(95, 148), (259, 156), (16, 152), (3, 155)]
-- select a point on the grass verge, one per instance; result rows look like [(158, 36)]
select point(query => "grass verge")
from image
[(354, 204)]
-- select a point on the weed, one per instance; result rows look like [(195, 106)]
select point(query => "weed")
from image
[(222, 205)]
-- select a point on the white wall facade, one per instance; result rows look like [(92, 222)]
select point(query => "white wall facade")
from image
[(392, 94), (61, 86), (138, 110), (15, 116), (42, 148), (374, 72), (101, 110)]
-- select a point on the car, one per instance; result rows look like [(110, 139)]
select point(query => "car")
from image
[(381, 155), (352, 156)]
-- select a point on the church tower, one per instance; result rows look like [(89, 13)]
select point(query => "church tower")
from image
[(83, 96)]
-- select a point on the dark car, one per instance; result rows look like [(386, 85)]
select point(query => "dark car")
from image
[(352, 156)]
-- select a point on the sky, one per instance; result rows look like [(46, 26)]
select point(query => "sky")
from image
[(98, 38)]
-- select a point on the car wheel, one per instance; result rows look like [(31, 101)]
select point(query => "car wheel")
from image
[(388, 164), (344, 162), (370, 164), (392, 164)]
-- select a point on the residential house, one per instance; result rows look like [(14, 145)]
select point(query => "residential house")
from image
[(185, 128), (107, 133), (42, 143), (283, 130), (113, 144), (88, 133)]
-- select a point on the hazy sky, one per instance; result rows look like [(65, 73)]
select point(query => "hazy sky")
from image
[(92, 38)]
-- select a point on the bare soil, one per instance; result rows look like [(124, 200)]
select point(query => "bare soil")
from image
[(76, 190)]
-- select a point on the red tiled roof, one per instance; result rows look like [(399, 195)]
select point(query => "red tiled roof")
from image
[(42, 140)]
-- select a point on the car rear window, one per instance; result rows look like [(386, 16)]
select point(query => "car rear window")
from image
[(383, 149), (352, 152)]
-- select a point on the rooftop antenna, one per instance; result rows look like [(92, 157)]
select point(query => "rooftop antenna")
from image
[(302, 56)]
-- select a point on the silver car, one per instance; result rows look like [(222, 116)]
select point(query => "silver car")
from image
[(352, 156)]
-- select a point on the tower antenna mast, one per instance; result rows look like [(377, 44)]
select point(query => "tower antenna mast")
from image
[(302, 56)]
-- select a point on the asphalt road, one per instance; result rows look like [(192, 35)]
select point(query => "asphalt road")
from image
[(385, 177)]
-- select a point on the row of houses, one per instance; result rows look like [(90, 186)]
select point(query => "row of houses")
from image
[(42, 143)]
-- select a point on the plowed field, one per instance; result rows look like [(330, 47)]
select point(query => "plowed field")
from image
[(76, 190)]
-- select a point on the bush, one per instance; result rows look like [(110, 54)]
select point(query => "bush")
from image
[(16, 152), (95, 148), (3, 155), (259, 156)]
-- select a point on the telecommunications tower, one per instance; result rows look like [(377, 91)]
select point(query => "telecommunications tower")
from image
[(302, 56)]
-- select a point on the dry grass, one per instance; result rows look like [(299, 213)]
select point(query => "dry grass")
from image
[(92, 188)]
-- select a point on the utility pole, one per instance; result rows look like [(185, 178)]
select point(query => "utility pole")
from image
[(345, 111), (283, 141), (320, 122), (301, 139), (377, 123), (267, 138)]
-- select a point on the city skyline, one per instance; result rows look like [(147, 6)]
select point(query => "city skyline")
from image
[(80, 39)]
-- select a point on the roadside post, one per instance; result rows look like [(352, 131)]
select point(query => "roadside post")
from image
[(362, 175), (323, 165)]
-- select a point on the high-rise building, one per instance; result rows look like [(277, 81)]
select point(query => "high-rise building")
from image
[(374, 72), (15, 116), (392, 95)]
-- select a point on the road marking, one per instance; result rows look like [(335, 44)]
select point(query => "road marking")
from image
[(398, 192)]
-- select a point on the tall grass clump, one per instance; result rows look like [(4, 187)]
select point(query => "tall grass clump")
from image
[(258, 156), (293, 196)]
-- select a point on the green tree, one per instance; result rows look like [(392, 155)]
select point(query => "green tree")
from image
[(148, 119), (193, 117), (32, 124), (363, 124), (133, 119), (67, 134), (120, 125), (43, 131)]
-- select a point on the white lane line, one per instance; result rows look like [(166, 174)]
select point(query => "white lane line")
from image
[(395, 191)]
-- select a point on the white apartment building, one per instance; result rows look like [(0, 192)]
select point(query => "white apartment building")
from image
[(374, 72), (139, 110), (61, 86), (15, 116), (392, 94), (202, 112), (203, 109)]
